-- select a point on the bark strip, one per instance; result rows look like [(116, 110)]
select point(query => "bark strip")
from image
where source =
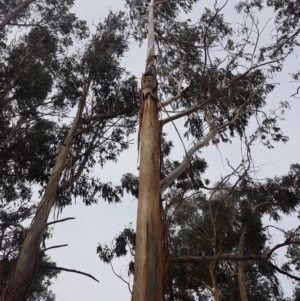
[(148, 271), (149, 260)]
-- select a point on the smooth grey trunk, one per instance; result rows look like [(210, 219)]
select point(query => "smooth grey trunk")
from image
[(15, 13), (20, 278)]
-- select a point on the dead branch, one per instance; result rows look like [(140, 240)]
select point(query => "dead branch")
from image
[(61, 220), (54, 247), (68, 270)]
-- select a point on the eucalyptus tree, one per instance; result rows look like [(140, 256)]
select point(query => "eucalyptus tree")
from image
[(212, 75), (217, 94), (42, 83)]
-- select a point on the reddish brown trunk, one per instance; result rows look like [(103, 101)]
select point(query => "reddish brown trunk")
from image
[(149, 268)]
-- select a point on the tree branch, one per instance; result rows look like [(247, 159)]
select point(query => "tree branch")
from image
[(54, 247), (219, 93), (197, 259), (61, 220), (24, 231), (68, 270), (184, 164), (128, 284), (264, 204), (286, 243), (176, 97)]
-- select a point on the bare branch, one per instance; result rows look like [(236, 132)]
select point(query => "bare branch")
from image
[(68, 270), (128, 284), (54, 247), (195, 259), (294, 95), (61, 220), (280, 270), (286, 243)]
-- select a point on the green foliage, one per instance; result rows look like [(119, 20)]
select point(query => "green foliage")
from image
[(42, 81), (122, 245), (201, 227), (206, 225), (40, 87)]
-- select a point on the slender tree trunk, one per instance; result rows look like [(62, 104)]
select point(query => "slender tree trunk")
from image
[(213, 277), (15, 13), (241, 275), (21, 277), (213, 265), (149, 260)]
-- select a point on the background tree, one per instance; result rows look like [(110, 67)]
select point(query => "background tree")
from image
[(41, 85), (206, 233)]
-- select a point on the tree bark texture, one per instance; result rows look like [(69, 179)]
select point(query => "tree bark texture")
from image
[(149, 261), (20, 279)]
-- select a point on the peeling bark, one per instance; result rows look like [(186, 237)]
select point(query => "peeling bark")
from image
[(149, 268), (149, 259)]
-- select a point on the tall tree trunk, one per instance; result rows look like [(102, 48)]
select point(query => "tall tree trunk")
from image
[(149, 260), (241, 275), (20, 279), (214, 264)]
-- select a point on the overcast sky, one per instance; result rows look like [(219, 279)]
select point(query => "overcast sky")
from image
[(101, 222)]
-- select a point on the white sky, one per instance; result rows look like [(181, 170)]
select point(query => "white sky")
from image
[(101, 222)]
